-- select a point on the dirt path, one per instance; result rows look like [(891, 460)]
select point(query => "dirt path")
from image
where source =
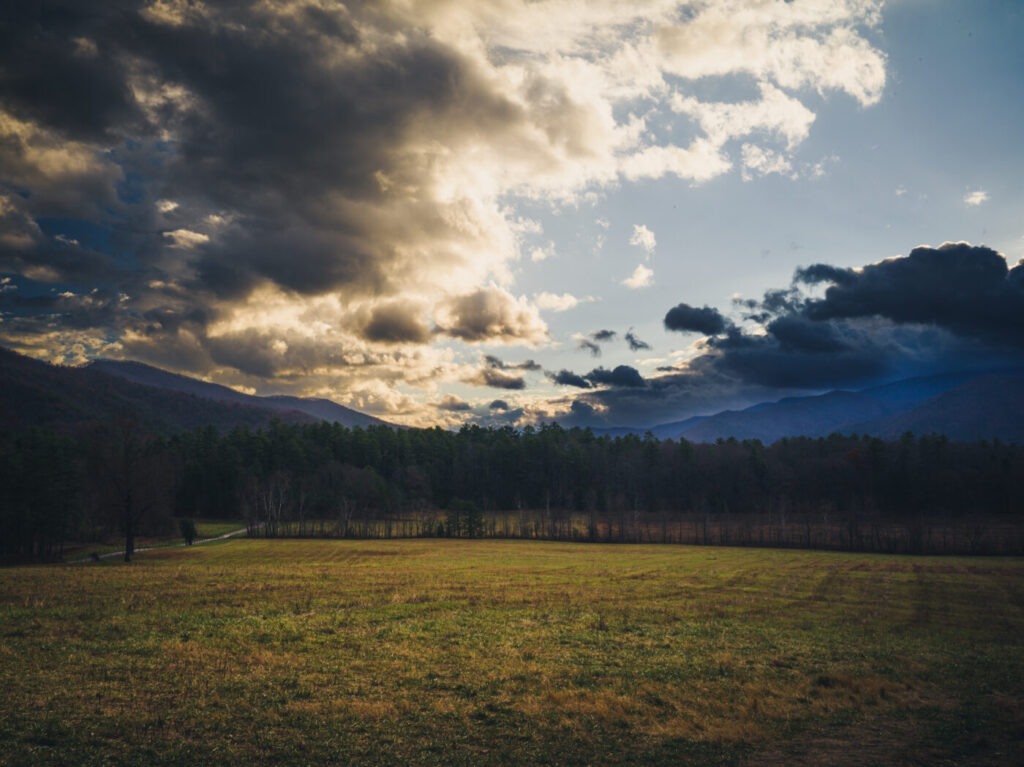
[(112, 554)]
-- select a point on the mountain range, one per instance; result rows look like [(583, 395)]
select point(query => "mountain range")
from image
[(34, 393), (964, 406), (317, 409)]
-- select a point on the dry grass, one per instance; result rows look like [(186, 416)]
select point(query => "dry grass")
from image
[(490, 652)]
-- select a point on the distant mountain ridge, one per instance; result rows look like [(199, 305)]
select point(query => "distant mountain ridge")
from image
[(319, 409), (35, 393), (964, 406)]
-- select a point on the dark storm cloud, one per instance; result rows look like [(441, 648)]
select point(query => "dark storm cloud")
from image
[(55, 262), (664, 398), (288, 139), (568, 378), (621, 376), (603, 335), (48, 78), (396, 323), (490, 314), (496, 379), (969, 290), (589, 346), (453, 404), (767, 361), (801, 334), (816, 273), (635, 344), (499, 364), (952, 308), (686, 318), (498, 404)]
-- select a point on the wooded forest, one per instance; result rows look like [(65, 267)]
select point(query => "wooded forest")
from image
[(915, 494)]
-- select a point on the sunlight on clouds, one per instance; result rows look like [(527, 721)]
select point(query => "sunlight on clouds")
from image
[(644, 238), (642, 277), (560, 303), (185, 238), (314, 253), (491, 315)]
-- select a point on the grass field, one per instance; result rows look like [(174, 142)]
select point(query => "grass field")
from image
[(205, 528), (491, 652)]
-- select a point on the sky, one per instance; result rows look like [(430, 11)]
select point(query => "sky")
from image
[(604, 213)]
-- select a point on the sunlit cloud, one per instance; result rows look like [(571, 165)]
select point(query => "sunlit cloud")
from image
[(644, 238), (641, 277), (560, 303), (975, 198), (337, 200)]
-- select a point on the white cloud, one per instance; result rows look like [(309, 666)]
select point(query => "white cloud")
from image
[(644, 238), (758, 161), (642, 277), (975, 198), (701, 161), (186, 239), (560, 303), (795, 45), (774, 113)]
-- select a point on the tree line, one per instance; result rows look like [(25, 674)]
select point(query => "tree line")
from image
[(913, 494)]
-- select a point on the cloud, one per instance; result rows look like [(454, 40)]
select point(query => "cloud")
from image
[(396, 323), (496, 379), (453, 404), (774, 113), (759, 161), (568, 378), (603, 335), (586, 345), (635, 344), (621, 376), (793, 45), (186, 239), (966, 289), (642, 277), (958, 306), (559, 303), (975, 198), (936, 310), (339, 161), (499, 364), (644, 238), (493, 375), (498, 404), (685, 318), (490, 315)]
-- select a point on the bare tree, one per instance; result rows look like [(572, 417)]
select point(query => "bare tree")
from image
[(132, 475)]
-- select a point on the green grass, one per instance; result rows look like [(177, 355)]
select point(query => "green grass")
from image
[(205, 528), (211, 528), (491, 652)]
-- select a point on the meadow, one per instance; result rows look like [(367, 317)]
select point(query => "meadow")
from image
[(512, 652)]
